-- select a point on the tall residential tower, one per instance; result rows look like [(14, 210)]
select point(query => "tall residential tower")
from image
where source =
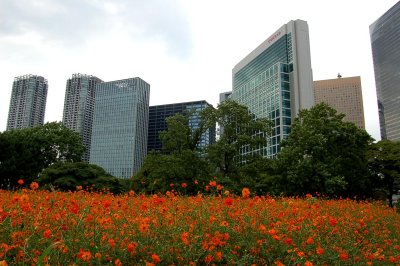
[(120, 126), (385, 42), (80, 94), (28, 102), (275, 81)]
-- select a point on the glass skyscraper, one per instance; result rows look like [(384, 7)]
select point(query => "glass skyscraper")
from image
[(120, 125), (28, 102), (275, 81), (159, 113), (385, 42), (80, 94)]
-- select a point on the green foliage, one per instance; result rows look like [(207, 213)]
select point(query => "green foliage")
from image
[(26, 152), (384, 162), (324, 154), (240, 130), (67, 176)]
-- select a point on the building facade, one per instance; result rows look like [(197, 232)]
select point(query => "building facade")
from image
[(275, 81), (344, 95), (385, 43), (120, 125), (80, 94), (28, 102), (158, 123)]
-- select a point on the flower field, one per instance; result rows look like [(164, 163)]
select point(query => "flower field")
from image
[(82, 228)]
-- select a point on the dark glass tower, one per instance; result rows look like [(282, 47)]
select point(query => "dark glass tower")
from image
[(385, 42), (159, 113), (275, 81), (80, 95), (28, 102)]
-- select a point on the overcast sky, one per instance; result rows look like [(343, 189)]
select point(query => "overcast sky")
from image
[(185, 49)]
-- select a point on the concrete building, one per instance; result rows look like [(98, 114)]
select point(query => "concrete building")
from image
[(80, 94), (275, 81), (159, 113), (343, 94), (28, 102), (385, 42), (120, 125)]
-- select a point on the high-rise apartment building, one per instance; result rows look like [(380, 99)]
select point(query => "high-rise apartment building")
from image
[(385, 42), (120, 125), (344, 95), (28, 102), (158, 123), (78, 111), (275, 81)]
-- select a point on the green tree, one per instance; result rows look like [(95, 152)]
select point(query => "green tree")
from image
[(67, 176), (26, 152), (384, 162), (324, 154), (240, 131), (180, 161)]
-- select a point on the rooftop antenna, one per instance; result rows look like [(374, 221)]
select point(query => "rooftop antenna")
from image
[(339, 76)]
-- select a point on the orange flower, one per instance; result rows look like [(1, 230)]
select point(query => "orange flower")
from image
[(279, 263), (3, 263), (84, 255), (47, 234), (308, 263), (310, 241), (218, 256), (155, 258), (228, 201), (308, 196), (344, 256), (220, 187), (34, 185), (117, 262), (245, 193), (212, 183), (208, 258), (184, 237), (20, 182), (319, 251), (132, 247)]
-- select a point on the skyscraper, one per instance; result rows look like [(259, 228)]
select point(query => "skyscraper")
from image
[(385, 42), (159, 113), (343, 94), (28, 102), (120, 125), (79, 100), (275, 81)]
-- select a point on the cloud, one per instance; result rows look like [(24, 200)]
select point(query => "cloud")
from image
[(70, 23)]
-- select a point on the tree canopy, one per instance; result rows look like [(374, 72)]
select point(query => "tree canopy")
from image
[(26, 152), (324, 154), (384, 162)]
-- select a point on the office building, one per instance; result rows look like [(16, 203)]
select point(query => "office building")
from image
[(275, 81), (385, 42), (344, 95), (28, 102), (80, 94), (120, 125), (223, 96), (158, 123)]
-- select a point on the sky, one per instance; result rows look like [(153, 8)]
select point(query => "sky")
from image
[(185, 49)]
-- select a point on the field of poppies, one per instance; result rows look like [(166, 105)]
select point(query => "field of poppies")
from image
[(83, 228)]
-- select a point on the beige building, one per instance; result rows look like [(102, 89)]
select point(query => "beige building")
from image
[(343, 94)]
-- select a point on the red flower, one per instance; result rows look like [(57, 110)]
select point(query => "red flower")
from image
[(245, 193), (34, 185), (184, 185), (20, 182)]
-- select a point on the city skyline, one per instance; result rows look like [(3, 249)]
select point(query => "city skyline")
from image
[(183, 56)]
